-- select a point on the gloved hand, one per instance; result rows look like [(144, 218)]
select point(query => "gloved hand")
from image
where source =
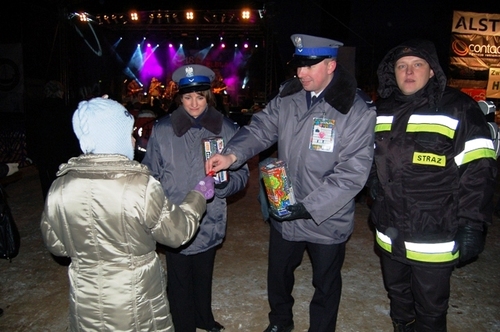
[(13, 168), (297, 211), (206, 187), (470, 242), (221, 185)]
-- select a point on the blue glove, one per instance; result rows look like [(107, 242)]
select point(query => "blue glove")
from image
[(297, 211), (206, 187)]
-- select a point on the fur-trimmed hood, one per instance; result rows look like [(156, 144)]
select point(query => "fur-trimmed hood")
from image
[(339, 93)]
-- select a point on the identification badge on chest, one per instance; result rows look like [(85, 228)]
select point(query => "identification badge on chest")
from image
[(323, 135)]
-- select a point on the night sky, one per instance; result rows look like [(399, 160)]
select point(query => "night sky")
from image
[(371, 26)]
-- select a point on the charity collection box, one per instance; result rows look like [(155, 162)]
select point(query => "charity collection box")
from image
[(211, 146), (278, 186)]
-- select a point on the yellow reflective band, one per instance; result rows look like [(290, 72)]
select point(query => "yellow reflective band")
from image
[(430, 128), (440, 124), (384, 123), (476, 149), (383, 127), (431, 258), (422, 252), (432, 159), (384, 241)]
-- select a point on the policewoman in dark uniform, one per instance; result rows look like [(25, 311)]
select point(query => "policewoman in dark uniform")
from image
[(175, 157), (433, 180)]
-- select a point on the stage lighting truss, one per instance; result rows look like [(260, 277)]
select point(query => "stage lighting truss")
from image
[(158, 18), (195, 25)]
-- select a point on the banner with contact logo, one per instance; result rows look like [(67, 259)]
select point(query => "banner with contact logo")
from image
[(474, 49)]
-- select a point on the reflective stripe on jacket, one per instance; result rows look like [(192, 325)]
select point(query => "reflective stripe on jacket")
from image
[(422, 252)]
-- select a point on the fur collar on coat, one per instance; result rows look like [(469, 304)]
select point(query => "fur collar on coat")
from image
[(210, 120), (339, 93)]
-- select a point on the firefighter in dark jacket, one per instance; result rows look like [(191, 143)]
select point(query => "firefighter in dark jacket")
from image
[(432, 182)]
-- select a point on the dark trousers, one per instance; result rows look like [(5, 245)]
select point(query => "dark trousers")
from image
[(417, 293), (189, 290), (284, 257)]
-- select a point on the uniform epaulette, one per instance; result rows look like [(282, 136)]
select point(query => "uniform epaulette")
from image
[(365, 97)]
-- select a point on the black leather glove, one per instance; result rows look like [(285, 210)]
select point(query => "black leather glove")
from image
[(297, 211), (470, 242)]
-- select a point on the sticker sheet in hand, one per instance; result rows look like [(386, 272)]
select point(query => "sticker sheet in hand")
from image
[(322, 135), (211, 146), (278, 187)]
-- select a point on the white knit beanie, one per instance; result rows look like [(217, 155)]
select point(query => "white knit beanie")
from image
[(104, 126)]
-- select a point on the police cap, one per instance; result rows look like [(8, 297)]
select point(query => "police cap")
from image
[(310, 50), (192, 78)]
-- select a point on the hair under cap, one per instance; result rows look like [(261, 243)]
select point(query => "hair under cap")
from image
[(104, 126)]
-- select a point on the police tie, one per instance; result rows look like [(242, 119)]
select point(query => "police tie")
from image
[(313, 100)]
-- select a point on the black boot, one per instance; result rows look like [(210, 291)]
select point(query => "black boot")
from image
[(404, 327)]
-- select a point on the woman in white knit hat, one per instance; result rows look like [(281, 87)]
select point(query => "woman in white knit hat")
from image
[(106, 212)]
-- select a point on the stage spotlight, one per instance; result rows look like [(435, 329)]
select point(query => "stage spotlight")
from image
[(151, 17), (190, 15), (197, 38), (83, 17), (245, 45), (223, 45), (245, 14), (114, 18), (123, 19), (106, 18), (158, 18), (223, 18), (134, 16), (235, 45), (214, 18), (207, 19), (170, 45), (99, 20), (231, 18)]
